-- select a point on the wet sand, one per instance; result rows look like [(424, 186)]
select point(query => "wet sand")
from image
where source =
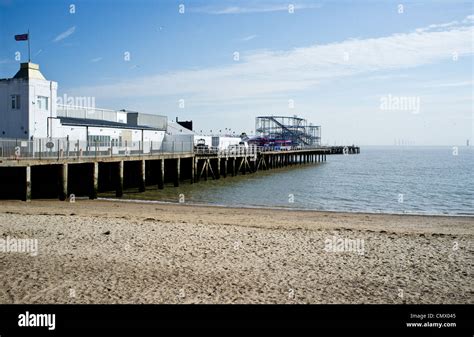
[(122, 252)]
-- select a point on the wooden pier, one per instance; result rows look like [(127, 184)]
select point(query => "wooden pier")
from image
[(63, 178)]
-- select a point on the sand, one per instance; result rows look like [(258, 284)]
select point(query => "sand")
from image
[(121, 252)]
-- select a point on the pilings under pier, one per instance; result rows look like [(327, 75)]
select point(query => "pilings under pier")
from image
[(62, 178)]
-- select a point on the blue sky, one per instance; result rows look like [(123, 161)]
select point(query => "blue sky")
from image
[(335, 60)]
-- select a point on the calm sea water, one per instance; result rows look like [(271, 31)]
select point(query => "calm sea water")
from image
[(423, 180)]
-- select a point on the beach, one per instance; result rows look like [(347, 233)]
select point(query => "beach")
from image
[(97, 251)]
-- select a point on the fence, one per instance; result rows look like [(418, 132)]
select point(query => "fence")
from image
[(240, 150), (59, 148), (63, 148)]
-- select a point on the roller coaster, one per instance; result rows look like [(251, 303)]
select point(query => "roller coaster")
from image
[(291, 131)]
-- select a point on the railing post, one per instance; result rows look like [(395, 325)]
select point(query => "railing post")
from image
[(67, 148)]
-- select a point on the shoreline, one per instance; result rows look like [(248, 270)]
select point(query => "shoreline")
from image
[(96, 251), (146, 201)]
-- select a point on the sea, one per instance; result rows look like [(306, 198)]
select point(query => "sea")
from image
[(381, 179)]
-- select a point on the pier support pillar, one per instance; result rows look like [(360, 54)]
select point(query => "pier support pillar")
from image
[(225, 168), (95, 181), (197, 173), (233, 167), (141, 186), (218, 169), (119, 187), (206, 171), (63, 182), (161, 175), (178, 172), (193, 169), (28, 184)]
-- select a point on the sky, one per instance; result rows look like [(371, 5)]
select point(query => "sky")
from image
[(369, 72)]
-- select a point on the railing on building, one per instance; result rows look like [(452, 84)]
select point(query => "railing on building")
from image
[(135, 119), (83, 112)]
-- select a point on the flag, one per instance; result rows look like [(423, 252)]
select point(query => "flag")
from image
[(21, 37)]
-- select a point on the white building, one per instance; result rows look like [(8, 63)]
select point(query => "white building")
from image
[(29, 111), (26, 108)]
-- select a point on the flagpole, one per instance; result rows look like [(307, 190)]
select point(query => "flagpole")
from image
[(29, 55)]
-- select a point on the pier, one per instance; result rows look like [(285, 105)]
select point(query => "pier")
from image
[(30, 171)]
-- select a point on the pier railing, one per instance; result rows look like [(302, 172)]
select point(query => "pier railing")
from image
[(251, 149), (64, 148)]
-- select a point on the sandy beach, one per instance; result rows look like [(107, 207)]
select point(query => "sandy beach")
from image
[(121, 252)]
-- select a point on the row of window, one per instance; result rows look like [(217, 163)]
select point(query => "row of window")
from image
[(42, 102), (104, 141), (99, 140)]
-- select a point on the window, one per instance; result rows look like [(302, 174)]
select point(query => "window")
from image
[(99, 140), (15, 102), (42, 102)]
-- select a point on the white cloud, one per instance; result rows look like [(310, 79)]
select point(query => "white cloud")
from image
[(450, 84), (248, 38), (97, 59), (65, 34), (264, 74), (467, 20), (257, 8)]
